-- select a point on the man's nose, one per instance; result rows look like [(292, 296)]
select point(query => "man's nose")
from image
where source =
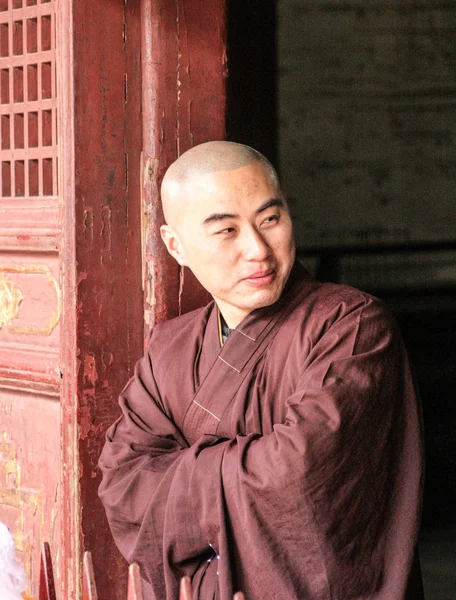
[(254, 245)]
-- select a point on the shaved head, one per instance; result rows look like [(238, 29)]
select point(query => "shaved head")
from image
[(207, 158), (227, 220)]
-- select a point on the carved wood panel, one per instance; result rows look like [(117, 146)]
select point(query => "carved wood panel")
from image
[(30, 303)]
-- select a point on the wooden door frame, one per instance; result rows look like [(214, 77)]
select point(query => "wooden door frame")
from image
[(99, 72), (110, 98), (184, 103)]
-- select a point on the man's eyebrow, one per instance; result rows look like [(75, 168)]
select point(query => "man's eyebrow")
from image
[(219, 217), (223, 216), (269, 204)]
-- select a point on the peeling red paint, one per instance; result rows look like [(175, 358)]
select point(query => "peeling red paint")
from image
[(88, 226), (184, 70), (100, 160), (81, 277), (107, 358), (90, 370), (106, 224)]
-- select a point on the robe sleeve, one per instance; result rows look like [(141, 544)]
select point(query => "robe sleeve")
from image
[(147, 465), (317, 505)]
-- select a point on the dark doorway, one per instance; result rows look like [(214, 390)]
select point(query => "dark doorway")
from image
[(252, 75)]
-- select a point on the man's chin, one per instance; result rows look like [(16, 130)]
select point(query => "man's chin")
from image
[(264, 298)]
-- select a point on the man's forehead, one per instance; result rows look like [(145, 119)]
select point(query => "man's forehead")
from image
[(244, 185), (212, 157), (222, 185)]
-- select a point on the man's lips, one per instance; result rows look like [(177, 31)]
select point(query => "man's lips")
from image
[(261, 277)]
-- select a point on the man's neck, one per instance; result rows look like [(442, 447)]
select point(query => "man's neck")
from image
[(230, 315)]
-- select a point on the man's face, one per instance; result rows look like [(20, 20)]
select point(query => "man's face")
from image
[(235, 233)]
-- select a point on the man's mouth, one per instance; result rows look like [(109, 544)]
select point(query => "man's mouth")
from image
[(260, 278)]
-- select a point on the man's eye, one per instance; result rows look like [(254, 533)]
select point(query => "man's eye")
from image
[(225, 231), (271, 219)]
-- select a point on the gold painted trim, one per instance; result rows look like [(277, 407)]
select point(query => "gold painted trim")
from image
[(23, 499), (10, 300), (32, 270), (40, 388)]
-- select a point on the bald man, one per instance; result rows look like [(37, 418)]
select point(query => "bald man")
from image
[(269, 442)]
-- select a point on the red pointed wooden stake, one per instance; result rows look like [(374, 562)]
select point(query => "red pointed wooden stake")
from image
[(185, 589), (89, 589), (134, 583), (47, 587)]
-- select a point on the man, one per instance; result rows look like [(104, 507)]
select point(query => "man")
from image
[(269, 442)]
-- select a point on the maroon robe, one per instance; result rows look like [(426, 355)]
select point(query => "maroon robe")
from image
[(287, 463)]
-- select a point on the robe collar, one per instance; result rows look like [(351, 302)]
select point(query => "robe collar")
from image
[(250, 331), (219, 371), (255, 322)]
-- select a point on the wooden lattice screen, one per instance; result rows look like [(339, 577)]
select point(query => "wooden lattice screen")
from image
[(30, 238), (28, 99)]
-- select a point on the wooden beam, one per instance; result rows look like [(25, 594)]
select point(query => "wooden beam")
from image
[(89, 588), (100, 142), (134, 583), (184, 103), (46, 586)]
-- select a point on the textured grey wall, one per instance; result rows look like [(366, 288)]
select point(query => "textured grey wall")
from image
[(367, 119)]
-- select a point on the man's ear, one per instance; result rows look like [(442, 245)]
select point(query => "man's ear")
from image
[(173, 244)]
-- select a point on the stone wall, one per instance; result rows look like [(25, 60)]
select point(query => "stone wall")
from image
[(367, 119)]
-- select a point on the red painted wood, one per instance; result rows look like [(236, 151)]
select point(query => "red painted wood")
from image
[(201, 107), (134, 583), (202, 72), (103, 311), (47, 587), (159, 100), (185, 592), (29, 225), (184, 70), (89, 588), (71, 572)]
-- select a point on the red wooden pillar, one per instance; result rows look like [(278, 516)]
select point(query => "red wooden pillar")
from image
[(99, 78), (113, 105), (184, 104)]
